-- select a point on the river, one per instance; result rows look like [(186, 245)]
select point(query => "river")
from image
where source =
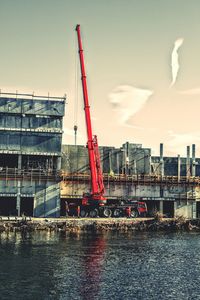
[(110, 266)]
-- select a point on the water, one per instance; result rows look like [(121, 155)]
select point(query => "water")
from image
[(109, 266)]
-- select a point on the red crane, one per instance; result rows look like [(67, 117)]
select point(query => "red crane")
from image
[(97, 186), (94, 204)]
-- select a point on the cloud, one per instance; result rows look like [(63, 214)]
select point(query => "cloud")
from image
[(179, 141), (174, 60), (127, 100)]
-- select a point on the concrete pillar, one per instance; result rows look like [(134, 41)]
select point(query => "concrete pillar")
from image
[(123, 161), (161, 192), (150, 164), (58, 163), (175, 208), (127, 159), (161, 207), (194, 210), (110, 161), (75, 134), (179, 168), (19, 186), (188, 163), (19, 162), (161, 160), (193, 160), (134, 167), (117, 159)]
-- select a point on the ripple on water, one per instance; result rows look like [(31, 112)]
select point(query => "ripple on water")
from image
[(110, 266)]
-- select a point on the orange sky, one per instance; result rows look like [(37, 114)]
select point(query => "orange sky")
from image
[(128, 48)]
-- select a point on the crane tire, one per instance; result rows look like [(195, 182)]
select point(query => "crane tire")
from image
[(107, 212), (93, 213), (134, 213), (83, 213), (117, 213)]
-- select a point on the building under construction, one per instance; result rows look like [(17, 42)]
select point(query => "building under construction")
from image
[(30, 154), (167, 184), (35, 182)]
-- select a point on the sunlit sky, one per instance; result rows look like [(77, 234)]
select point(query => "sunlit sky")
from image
[(128, 46)]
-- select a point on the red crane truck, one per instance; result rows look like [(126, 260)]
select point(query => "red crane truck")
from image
[(95, 204)]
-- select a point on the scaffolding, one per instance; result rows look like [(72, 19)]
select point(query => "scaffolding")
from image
[(138, 179)]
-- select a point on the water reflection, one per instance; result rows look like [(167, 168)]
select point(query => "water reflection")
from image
[(92, 261)]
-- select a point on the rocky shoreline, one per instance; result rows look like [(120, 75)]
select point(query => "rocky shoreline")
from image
[(99, 225)]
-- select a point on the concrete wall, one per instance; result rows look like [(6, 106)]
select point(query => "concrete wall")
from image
[(128, 159), (47, 200), (171, 166), (131, 190)]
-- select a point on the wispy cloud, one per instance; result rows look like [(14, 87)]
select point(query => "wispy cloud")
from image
[(178, 141), (175, 59), (127, 100)]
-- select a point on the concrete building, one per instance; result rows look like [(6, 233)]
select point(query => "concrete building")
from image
[(167, 184), (30, 165), (30, 154)]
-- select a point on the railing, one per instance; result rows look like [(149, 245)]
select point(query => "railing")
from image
[(51, 174), (33, 96), (140, 179)]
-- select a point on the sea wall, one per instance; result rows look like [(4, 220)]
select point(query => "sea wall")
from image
[(99, 225)]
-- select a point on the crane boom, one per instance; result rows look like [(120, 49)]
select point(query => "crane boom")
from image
[(97, 185)]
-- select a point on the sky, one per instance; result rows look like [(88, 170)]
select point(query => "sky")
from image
[(142, 64)]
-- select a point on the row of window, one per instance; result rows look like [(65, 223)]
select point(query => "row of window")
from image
[(32, 106), (25, 142), (29, 122)]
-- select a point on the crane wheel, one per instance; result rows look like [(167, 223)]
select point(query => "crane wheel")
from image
[(93, 213), (107, 212), (134, 213), (117, 213), (83, 213)]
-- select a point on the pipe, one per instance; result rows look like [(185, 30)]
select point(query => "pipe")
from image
[(193, 160), (188, 163), (161, 160), (179, 167)]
